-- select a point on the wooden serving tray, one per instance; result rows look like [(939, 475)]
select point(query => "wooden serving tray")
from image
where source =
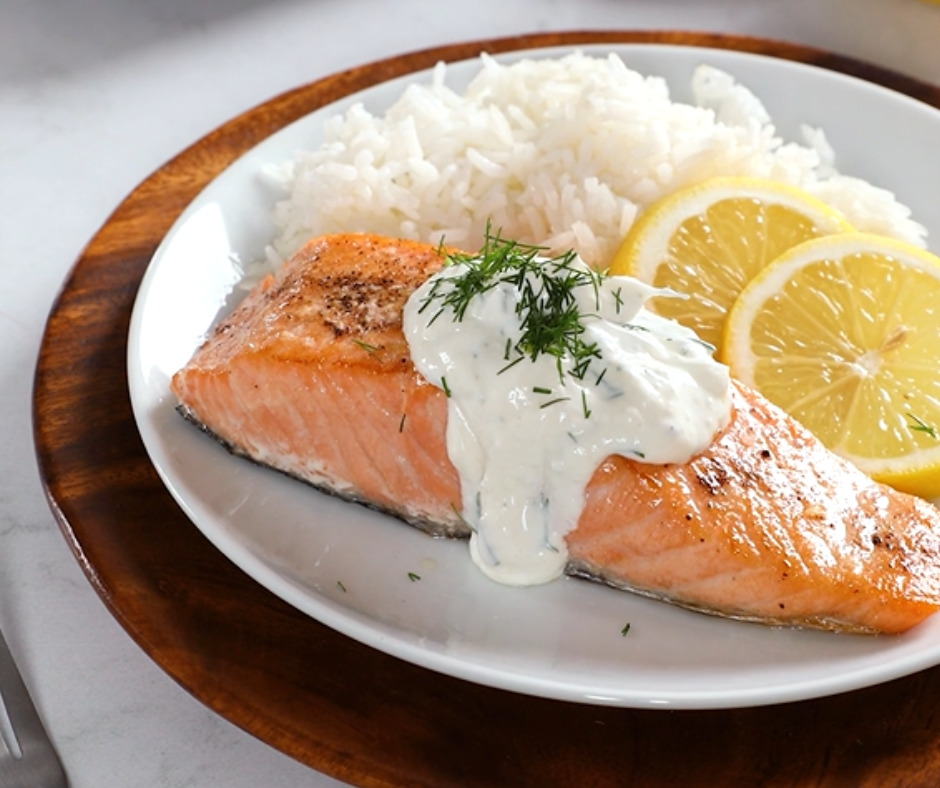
[(343, 708)]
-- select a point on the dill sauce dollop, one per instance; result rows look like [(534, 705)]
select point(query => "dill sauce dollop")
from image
[(549, 368)]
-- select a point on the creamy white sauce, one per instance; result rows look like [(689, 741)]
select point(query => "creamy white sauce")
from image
[(526, 440)]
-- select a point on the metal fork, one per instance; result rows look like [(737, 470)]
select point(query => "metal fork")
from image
[(27, 758)]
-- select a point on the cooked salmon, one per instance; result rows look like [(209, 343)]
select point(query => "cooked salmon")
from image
[(311, 375)]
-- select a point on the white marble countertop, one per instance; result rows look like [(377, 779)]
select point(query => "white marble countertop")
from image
[(94, 96)]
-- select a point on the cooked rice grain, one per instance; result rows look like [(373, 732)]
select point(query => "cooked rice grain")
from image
[(557, 152)]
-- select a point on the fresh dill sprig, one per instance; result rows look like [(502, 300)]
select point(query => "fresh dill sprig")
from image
[(707, 345), (551, 321), (370, 349), (618, 298), (510, 365), (920, 425), (464, 520)]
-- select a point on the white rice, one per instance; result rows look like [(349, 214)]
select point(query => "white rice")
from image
[(556, 152)]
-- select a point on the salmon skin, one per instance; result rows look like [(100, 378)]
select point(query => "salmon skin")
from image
[(311, 375)]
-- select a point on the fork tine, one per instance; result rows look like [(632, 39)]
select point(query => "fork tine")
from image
[(36, 765)]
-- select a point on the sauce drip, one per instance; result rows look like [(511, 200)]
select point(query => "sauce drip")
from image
[(549, 368)]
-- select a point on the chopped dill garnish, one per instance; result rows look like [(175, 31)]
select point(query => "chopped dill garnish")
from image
[(549, 316), (401, 424), (707, 345), (618, 298), (445, 386), (580, 369), (584, 405), (540, 390), (554, 402), (370, 349), (460, 516), (600, 377), (413, 577), (340, 585), (510, 365), (626, 628), (920, 425)]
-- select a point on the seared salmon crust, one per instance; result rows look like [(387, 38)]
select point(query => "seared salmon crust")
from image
[(311, 375)]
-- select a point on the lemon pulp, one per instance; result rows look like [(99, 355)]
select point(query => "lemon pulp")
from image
[(709, 240), (843, 333)]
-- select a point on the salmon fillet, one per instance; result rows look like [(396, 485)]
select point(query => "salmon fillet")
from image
[(311, 375)]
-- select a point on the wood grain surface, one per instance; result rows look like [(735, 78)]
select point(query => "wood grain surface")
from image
[(341, 707)]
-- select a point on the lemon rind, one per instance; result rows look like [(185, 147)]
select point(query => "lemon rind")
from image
[(917, 471), (649, 237)]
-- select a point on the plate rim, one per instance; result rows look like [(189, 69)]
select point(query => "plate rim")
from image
[(60, 501), (492, 662)]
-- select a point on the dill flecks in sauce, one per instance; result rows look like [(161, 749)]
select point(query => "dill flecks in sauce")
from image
[(549, 368)]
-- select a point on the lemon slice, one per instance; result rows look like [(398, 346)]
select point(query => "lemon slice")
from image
[(843, 333), (709, 240)]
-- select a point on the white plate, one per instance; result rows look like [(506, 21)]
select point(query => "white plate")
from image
[(349, 567)]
